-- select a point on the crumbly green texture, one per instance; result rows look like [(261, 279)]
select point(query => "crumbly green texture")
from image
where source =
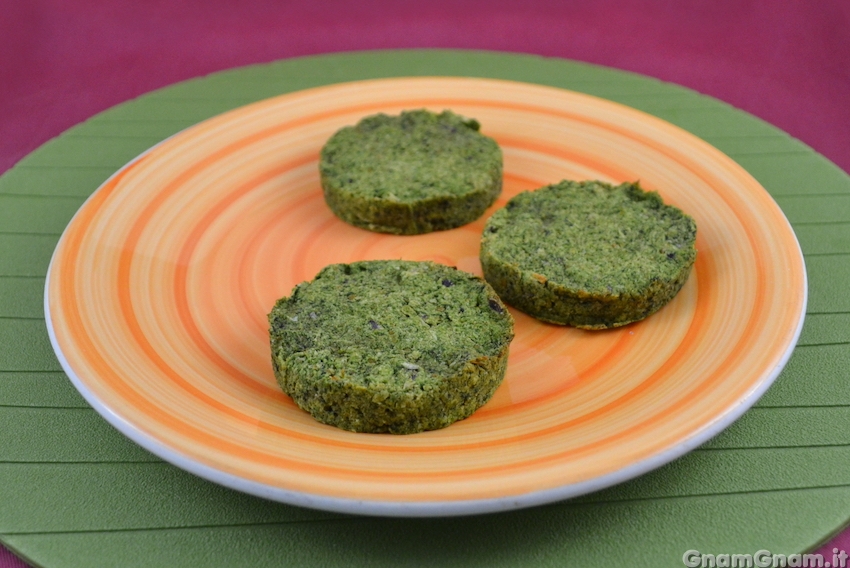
[(390, 346), (588, 254), (411, 174)]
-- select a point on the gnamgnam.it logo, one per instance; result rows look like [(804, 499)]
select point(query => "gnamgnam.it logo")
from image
[(764, 559)]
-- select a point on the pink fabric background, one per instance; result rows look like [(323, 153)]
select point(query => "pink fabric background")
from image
[(785, 61)]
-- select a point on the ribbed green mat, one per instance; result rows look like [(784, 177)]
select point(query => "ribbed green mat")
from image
[(75, 492)]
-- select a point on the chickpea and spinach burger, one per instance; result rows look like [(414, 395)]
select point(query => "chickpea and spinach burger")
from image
[(588, 254), (410, 174), (390, 346)]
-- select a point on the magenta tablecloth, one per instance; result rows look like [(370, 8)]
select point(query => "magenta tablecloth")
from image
[(787, 62)]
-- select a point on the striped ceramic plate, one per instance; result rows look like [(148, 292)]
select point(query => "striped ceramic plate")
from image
[(158, 292)]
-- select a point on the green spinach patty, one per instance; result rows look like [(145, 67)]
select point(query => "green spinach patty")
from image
[(588, 254), (390, 346), (410, 174)]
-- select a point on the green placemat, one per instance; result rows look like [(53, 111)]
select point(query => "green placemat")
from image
[(75, 492)]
